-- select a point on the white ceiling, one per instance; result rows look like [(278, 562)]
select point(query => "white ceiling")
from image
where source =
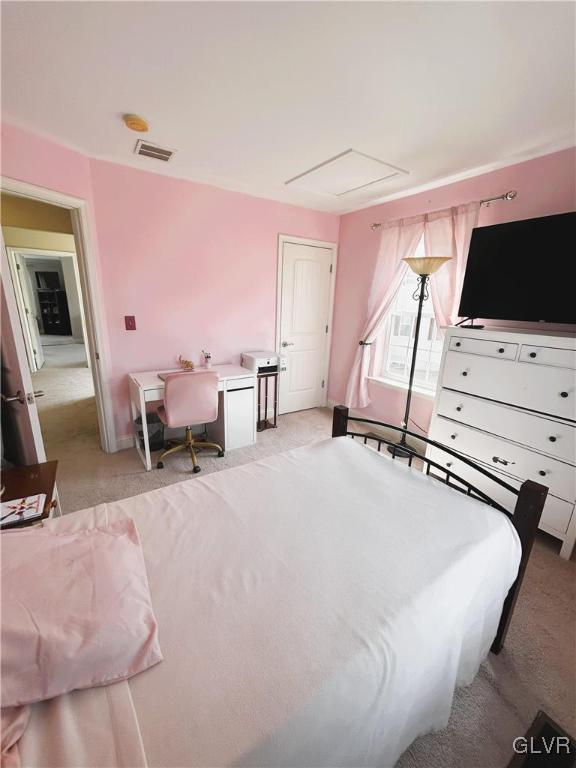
[(253, 94)]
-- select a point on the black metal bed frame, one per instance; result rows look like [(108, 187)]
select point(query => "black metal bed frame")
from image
[(525, 517)]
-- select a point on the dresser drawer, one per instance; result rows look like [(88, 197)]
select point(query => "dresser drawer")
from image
[(561, 358), (513, 459), (502, 349), (556, 514), (540, 388), (537, 432)]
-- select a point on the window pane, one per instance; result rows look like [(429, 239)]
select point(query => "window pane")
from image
[(399, 337)]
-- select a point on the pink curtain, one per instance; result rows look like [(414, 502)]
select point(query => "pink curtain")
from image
[(399, 240), (447, 233)]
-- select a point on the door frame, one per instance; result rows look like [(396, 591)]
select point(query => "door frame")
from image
[(21, 353), (25, 321), (92, 297), (282, 239), (44, 253)]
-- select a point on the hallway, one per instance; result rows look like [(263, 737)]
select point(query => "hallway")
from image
[(67, 410)]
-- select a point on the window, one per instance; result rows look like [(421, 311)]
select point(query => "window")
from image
[(399, 337)]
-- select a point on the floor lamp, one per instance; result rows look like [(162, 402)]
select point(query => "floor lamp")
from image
[(423, 267)]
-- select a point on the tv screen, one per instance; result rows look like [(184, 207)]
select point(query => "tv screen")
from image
[(523, 270)]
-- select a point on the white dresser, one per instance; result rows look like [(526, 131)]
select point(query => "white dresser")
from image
[(508, 400)]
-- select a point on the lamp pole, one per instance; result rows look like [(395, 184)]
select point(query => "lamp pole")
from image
[(423, 267), (398, 449)]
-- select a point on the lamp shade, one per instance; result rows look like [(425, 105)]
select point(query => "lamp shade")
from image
[(426, 265)]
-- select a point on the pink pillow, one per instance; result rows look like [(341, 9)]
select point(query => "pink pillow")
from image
[(76, 611)]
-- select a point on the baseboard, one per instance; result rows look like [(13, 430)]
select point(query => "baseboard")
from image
[(124, 442)]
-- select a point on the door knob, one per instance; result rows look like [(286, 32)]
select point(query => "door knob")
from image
[(498, 460), (18, 397), (287, 343)]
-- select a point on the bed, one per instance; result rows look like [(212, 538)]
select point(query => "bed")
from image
[(316, 608)]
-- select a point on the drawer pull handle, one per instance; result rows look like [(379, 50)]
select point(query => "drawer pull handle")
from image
[(458, 407), (453, 437), (498, 460), (563, 394), (532, 355), (542, 473), (458, 344), (501, 350), (465, 373), (552, 439), (448, 463)]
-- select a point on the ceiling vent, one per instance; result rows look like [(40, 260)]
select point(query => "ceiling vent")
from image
[(350, 171), (152, 150)]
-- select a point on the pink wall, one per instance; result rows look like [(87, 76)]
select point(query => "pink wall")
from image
[(195, 264), (545, 186), (30, 158)]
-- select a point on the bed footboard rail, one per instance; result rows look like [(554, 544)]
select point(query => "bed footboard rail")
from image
[(525, 516)]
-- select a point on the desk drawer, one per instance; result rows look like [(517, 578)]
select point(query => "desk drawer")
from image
[(539, 432), (544, 389), (561, 358), (556, 514), (152, 395), (501, 349), (513, 459), (243, 383)]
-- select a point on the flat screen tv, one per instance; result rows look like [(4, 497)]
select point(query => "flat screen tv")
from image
[(523, 270)]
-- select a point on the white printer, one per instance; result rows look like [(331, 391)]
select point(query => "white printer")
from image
[(260, 362)]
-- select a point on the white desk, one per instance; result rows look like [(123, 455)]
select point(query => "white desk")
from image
[(236, 424)]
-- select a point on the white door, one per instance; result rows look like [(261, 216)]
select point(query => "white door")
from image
[(27, 310), (18, 396), (305, 306)]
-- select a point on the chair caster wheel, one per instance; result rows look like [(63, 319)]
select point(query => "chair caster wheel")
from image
[(195, 469), (160, 465), (220, 454)]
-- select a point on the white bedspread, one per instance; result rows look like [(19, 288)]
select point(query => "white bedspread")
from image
[(316, 608)]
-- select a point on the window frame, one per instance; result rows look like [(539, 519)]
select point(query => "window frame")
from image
[(395, 322)]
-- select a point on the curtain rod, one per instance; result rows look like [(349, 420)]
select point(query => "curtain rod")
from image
[(510, 195)]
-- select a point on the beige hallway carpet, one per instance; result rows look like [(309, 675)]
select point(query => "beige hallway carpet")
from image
[(67, 410), (536, 670)]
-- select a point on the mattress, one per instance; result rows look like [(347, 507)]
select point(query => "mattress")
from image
[(316, 608)]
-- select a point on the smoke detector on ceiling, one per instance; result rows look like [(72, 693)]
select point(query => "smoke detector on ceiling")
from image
[(147, 149), (135, 123)]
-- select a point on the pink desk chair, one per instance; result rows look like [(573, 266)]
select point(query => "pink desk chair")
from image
[(189, 399)]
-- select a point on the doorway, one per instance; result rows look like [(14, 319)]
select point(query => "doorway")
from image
[(55, 314), (51, 309), (306, 281)]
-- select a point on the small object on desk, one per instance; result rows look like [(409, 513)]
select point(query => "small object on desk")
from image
[(24, 483), (207, 359), (186, 365), (18, 510)]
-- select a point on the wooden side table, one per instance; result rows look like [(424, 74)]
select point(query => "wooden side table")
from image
[(19, 482), (263, 423)]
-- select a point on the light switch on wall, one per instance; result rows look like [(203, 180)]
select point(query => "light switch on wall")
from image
[(130, 322)]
